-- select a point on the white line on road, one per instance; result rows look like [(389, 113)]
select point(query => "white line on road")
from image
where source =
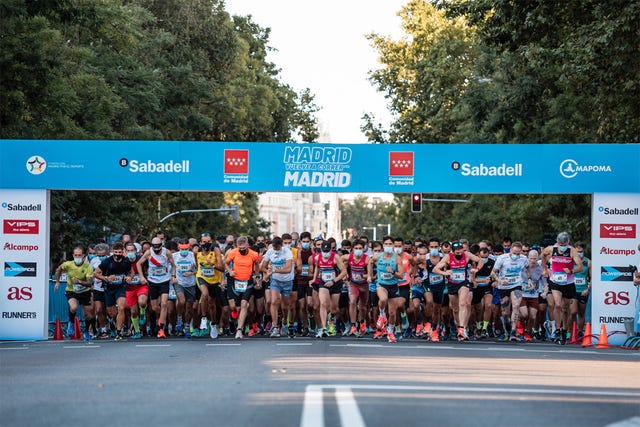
[(296, 343), (215, 345), (13, 348), (81, 346), (153, 345), (348, 408), (312, 411), (630, 422), (356, 345)]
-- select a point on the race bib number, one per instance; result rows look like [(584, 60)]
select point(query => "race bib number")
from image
[(559, 278), (513, 280), (158, 271), (118, 279), (305, 270), (77, 287), (328, 276), (135, 280), (386, 275), (278, 267), (357, 277), (458, 276), (579, 281), (207, 271), (435, 279), (183, 268), (240, 285)]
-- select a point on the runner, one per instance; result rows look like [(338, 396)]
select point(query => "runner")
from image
[(113, 271), (483, 294), (508, 272), (136, 293), (454, 267), (100, 315), (419, 288), (78, 289), (242, 266), (291, 314), (532, 286), (329, 270), (583, 286), (208, 279), (186, 269), (302, 280), (390, 271), (565, 262), (400, 247), (280, 259), (160, 263), (357, 262)]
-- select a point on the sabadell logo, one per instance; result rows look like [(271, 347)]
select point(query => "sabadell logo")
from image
[(36, 165), (569, 168)]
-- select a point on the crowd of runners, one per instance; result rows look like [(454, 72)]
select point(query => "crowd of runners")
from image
[(300, 285)]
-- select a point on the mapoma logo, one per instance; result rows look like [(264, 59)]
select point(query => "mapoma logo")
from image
[(569, 168)]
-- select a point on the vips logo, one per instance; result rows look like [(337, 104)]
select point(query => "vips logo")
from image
[(21, 226), (22, 208), (23, 248), (617, 298), (618, 231), (17, 293), (616, 274), (20, 269), (569, 168), (611, 251), (148, 166), (467, 169), (618, 211)]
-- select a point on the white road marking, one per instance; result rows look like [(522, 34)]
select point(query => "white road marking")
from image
[(221, 344), (630, 422), (357, 345), (312, 411), (153, 345), (13, 348), (81, 346), (296, 343), (348, 408)]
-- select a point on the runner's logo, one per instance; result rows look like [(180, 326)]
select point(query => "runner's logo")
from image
[(36, 165), (569, 168), (236, 162), (401, 163), (19, 269), (616, 274)]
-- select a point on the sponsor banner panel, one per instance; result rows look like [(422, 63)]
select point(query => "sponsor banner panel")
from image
[(218, 166), (24, 257), (615, 258)]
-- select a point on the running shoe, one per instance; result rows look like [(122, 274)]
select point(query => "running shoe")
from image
[(179, 325), (381, 323), (391, 338), (203, 332), (112, 333), (320, 333), (214, 332), (161, 334), (378, 335), (484, 334), (513, 336), (136, 336), (363, 329), (239, 335), (103, 335), (268, 327), (252, 332), (527, 336), (118, 337), (435, 336), (274, 333), (187, 334), (419, 331), (86, 335), (331, 330), (353, 330), (292, 333), (503, 337), (70, 330), (284, 331)]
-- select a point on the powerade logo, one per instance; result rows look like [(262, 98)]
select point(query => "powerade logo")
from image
[(610, 251), (569, 168), (615, 211), (19, 269), (148, 166), (25, 248), (21, 208), (468, 169), (616, 274)]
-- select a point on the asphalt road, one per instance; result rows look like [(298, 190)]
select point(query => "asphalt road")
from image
[(314, 383)]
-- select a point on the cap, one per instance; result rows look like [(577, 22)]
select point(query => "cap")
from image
[(456, 245), (326, 247)]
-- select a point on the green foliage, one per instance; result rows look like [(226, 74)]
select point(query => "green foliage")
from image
[(360, 213)]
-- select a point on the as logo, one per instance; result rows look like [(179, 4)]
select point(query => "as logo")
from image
[(16, 293), (617, 298)]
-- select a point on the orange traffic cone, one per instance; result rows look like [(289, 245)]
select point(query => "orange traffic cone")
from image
[(57, 333), (603, 341), (587, 339), (77, 332), (434, 335), (574, 334)]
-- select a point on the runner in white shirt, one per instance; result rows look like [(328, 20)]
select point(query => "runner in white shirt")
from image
[(508, 270), (185, 285), (280, 258)]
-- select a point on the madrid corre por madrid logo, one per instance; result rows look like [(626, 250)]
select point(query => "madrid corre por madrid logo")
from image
[(36, 165)]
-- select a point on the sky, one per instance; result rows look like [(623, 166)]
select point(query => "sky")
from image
[(321, 45)]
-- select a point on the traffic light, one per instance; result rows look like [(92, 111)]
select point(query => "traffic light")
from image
[(416, 202)]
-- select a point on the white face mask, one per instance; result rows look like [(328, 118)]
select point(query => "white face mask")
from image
[(78, 261), (397, 250)]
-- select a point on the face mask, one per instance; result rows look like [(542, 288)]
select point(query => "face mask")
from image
[(244, 251), (318, 250), (91, 256), (484, 259), (562, 248), (117, 257), (514, 257), (357, 252), (184, 252), (507, 249), (387, 249), (434, 252), (131, 255), (397, 250), (288, 246), (306, 245), (206, 246), (458, 256), (102, 257), (581, 254), (78, 261), (222, 246), (326, 254)]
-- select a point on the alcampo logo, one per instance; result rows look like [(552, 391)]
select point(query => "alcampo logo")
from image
[(610, 251), (468, 169), (25, 248), (616, 274), (569, 168), (149, 166), (618, 211), (22, 208), (36, 165)]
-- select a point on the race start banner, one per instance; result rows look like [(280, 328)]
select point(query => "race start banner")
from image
[(614, 237)]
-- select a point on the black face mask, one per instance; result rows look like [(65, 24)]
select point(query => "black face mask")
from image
[(244, 251), (458, 256), (117, 257), (206, 246)]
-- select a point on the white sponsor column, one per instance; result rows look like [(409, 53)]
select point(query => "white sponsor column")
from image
[(615, 227), (24, 257)]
